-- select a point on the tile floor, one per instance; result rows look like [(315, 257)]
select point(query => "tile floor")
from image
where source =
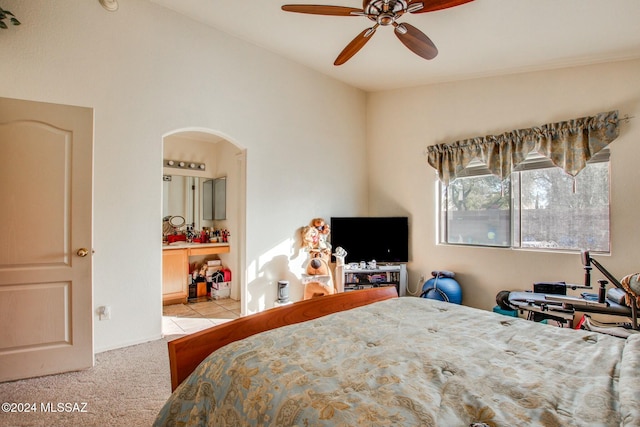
[(180, 319)]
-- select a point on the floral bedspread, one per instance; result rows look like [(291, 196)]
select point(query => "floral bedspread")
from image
[(414, 362)]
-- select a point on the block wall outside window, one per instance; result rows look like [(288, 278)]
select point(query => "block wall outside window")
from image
[(537, 208)]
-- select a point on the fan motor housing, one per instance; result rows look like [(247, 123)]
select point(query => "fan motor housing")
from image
[(384, 13)]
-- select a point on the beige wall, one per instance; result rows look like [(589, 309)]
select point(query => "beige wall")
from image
[(149, 72), (401, 181)]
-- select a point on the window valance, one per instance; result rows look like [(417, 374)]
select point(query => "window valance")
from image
[(569, 145)]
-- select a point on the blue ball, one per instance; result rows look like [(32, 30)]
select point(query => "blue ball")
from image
[(443, 289)]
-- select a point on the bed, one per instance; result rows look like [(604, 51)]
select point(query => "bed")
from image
[(369, 358)]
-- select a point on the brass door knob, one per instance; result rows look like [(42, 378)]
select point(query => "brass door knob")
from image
[(82, 252)]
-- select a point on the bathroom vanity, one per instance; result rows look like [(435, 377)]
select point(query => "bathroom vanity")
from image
[(176, 258)]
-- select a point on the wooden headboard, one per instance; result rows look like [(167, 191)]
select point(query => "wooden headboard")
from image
[(186, 353)]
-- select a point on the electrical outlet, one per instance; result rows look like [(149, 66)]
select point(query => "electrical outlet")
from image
[(104, 312)]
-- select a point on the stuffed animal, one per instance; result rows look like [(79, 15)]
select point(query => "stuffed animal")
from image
[(315, 236), (340, 255), (318, 280), (324, 254), (323, 233), (310, 237)]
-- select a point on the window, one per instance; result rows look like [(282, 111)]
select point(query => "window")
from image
[(538, 207)]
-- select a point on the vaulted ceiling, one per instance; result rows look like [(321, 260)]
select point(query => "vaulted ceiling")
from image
[(480, 38)]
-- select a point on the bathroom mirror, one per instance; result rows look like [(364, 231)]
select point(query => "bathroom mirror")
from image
[(199, 200), (220, 198), (214, 199)]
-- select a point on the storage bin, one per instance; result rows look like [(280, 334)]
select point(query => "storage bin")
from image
[(220, 293), (201, 289), (512, 313), (220, 285)]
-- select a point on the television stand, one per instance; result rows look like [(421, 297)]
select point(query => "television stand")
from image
[(382, 275)]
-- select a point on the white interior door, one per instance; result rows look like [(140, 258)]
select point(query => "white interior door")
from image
[(45, 238)]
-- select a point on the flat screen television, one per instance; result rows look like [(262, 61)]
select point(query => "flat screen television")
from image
[(385, 239)]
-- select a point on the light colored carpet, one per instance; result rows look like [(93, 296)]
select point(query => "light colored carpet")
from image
[(126, 387)]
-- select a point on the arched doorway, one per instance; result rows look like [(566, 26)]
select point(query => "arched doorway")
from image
[(208, 158)]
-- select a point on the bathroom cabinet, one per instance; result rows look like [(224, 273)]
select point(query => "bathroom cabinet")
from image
[(175, 268)]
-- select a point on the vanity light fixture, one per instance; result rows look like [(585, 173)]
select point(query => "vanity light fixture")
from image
[(183, 164)]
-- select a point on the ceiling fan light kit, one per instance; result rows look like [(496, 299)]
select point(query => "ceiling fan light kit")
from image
[(383, 13)]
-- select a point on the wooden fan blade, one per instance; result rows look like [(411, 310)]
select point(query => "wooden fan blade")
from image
[(416, 41), (323, 10), (355, 45), (433, 5)]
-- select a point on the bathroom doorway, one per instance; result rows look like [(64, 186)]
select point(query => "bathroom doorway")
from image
[(201, 160)]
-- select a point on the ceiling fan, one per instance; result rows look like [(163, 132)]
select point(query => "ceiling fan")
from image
[(383, 12)]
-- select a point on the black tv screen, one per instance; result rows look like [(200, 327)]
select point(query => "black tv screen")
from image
[(385, 239)]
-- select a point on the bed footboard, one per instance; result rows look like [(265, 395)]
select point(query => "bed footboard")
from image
[(186, 353)]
